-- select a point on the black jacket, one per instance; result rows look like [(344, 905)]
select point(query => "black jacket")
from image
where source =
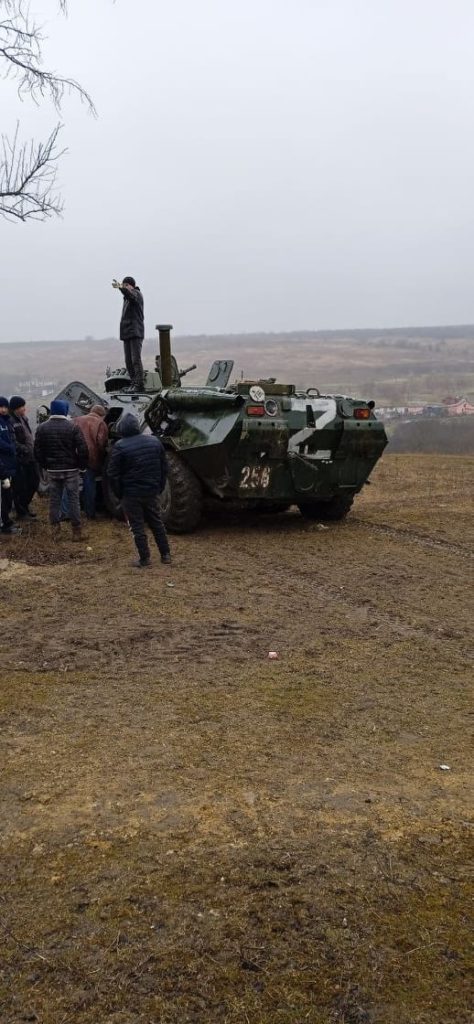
[(7, 448), (137, 466), (23, 439), (132, 324), (60, 445)]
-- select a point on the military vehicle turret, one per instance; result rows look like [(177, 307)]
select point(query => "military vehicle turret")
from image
[(254, 444)]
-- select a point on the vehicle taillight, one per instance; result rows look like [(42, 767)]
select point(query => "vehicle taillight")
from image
[(255, 410), (361, 414)]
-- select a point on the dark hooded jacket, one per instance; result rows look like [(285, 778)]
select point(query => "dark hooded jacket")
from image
[(7, 448), (60, 445), (137, 466), (132, 324), (23, 438)]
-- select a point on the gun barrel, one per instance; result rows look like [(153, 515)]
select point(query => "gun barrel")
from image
[(182, 373)]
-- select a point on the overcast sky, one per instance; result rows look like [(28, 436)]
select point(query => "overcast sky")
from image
[(256, 165)]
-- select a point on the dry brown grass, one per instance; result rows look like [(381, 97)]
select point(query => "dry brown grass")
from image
[(191, 833)]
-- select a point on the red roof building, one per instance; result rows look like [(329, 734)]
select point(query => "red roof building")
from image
[(461, 408)]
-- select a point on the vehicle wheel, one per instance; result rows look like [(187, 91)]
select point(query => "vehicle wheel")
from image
[(332, 510), (109, 497), (267, 508), (181, 500)]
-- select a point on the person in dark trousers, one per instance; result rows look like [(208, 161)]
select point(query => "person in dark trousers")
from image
[(96, 434), (137, 471), (26, 479), (61, 449), (132, 331), (7, 468)]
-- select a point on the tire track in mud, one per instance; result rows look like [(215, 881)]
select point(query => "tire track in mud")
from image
[(287, 587), (85, 645), (367, 618), (323, 603), (362, 609), (413, 537)]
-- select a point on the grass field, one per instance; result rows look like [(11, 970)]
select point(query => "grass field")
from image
[(194, 833)]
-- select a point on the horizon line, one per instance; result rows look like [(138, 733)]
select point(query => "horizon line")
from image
[(89, 339)]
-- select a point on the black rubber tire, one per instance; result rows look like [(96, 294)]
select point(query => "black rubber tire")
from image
[(327, 511), (181, 501)]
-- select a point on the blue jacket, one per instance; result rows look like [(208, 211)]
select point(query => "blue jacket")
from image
[(7, 448), (137, 466)]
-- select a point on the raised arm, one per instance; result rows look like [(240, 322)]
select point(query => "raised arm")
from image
[(129, 292)]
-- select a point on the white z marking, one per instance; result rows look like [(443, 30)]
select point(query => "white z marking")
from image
[(329, 409)]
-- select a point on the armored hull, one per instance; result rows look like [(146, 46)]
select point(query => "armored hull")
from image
[(260, 443)]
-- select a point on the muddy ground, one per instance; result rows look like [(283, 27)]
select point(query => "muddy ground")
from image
[(194, 833)]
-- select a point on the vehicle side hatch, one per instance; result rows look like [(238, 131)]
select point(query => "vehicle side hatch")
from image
[(81, 398), (219, 373)]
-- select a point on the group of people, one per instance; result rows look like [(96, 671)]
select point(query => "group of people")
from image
[(68, 453), (71, 452)]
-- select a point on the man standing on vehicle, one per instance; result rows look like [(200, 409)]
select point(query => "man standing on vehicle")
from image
[(61, 449), (132, 331), (137, 471)]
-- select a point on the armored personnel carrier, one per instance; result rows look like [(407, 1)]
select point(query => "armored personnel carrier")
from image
[(256, 444)]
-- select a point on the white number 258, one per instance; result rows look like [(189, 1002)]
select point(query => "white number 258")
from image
[(255, 476)]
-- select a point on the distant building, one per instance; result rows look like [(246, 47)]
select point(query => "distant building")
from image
[(414, 410), (458, 407), (37, 388), (434, 410), (461, 408)]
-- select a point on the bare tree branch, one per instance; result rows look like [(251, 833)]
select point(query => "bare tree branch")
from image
[(21, 42), (28, 176), (28, 170)]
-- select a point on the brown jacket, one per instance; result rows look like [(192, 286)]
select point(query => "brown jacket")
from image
[(96, 435)]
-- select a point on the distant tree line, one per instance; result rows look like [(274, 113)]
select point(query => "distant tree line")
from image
[(444, 437)]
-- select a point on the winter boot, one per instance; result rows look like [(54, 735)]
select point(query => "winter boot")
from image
[(78, 534)]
